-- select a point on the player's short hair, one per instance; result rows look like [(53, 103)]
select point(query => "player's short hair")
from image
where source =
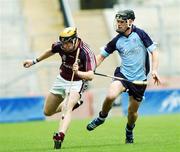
[(125, 15), (68, 34)]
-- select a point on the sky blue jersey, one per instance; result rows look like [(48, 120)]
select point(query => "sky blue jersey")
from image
[(133, 51)]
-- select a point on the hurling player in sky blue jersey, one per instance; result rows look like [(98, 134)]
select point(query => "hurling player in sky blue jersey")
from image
[(132, 45), (67, 47)]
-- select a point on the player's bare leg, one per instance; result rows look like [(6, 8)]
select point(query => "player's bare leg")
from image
[(51, 103), (73, 99), (64, 123), (132, 111), (115, 89), (132, 117)]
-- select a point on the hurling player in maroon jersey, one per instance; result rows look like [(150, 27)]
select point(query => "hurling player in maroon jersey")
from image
[(83, 70)]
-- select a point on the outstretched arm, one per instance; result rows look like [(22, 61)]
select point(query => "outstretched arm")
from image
[(29, 62), (155, 62)]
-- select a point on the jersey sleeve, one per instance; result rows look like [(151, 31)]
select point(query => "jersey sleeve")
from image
[(147, 41), (89, 58), (91, 63), (109, 48), (55, 48)]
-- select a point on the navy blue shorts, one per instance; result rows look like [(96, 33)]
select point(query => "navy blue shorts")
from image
[(137, 91)]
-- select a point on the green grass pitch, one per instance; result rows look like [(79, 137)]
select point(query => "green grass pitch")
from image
[(152, 134)]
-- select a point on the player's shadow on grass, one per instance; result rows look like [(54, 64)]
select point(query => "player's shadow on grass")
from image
[(40, 149), (92, 146)]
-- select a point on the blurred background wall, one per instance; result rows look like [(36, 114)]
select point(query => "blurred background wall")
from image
[(29, 27)]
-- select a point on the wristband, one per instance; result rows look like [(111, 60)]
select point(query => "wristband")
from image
[(35, 61)]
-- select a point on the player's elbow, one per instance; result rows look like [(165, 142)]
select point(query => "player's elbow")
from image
[(90, 76)]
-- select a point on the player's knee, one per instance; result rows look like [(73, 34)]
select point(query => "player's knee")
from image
[(47, 113), (132, 113)]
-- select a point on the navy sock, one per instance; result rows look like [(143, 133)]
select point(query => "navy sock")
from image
[(102, 115), (129, 129)]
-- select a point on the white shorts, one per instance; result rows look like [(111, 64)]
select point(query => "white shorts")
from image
[(62, 86)]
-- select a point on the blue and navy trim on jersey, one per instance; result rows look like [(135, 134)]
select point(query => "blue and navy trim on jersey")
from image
[(133, 50)]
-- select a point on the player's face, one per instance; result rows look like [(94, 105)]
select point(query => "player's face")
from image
[(68, 46), (122, 25)]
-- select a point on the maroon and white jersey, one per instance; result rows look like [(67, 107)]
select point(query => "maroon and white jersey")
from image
[(86, 60)]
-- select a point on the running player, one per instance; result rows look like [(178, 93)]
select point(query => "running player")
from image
[(83, 69), (133, 45)]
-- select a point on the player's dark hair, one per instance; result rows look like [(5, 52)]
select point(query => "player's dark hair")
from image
[(125, 15)]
